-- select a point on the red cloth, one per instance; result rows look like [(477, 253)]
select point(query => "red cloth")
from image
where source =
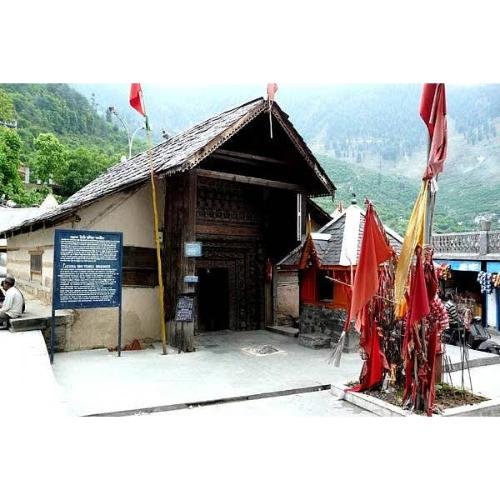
[(375, 363), (374, 250), (433, 113), (136, 98), (419, 301)]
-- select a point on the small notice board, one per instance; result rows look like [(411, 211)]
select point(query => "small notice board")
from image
[(185, 308)]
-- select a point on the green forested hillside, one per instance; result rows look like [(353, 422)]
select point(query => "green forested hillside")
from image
[(394, 196), (363, 129), (59, 136), (369, 138)]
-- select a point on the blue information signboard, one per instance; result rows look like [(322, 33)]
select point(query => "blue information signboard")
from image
[(87, 271)]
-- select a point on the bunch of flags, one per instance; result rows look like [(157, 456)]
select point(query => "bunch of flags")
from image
[(415, 282)]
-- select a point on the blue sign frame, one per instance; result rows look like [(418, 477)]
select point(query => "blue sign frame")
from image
[(87, 273)]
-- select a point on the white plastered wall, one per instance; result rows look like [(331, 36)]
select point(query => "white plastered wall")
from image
[(130, 213), (287, 296)]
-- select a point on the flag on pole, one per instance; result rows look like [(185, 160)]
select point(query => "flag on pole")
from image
[(414, 236), (136, 100), (272, 88), (374, 250), (433, 113)]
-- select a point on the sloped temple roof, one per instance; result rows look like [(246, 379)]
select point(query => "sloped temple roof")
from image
[(179, 154), (332, 242)]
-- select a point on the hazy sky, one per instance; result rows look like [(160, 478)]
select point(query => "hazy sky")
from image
[(221, 41)]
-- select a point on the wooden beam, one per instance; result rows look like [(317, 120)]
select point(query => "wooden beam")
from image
[(248, 156), (227, 230), (232, 159), (256, 181)]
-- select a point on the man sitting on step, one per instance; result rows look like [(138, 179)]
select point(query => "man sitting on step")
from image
[(13, 305)]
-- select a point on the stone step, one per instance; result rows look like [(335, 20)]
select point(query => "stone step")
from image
[(30, 323), (314, 340), (283, 330)]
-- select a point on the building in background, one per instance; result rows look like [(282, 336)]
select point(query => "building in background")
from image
[(472, 256), (224, 184), (331, 252)]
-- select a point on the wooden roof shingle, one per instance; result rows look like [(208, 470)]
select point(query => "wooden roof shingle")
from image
[(177, 154)]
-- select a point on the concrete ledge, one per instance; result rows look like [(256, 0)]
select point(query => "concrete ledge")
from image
[(283, 330), (490, 359), (489, 408), (28, 323), (375, 405), (314, 341), (381, 408)]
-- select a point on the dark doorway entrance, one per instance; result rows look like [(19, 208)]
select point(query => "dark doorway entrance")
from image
[(213, 299)]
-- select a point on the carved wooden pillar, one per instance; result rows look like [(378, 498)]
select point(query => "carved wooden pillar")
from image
[(180, 216)]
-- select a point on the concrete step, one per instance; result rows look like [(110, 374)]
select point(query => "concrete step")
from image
[(30, 323), (283, 330), (234, 399), (314, 340)]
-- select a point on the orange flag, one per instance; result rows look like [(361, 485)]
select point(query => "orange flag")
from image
[(374, 250)]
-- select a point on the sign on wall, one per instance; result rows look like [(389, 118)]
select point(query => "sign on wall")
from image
[(192, 249), (87, 273), (87, 269), (184, 310)]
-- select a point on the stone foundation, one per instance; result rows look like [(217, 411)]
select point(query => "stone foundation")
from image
[(322, 326), (63, 327)]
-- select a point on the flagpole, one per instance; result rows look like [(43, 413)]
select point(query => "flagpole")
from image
[(157, 238)]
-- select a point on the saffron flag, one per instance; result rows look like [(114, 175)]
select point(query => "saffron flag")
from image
[(374, 250), (136, 100), (414, 236), (433, 113)]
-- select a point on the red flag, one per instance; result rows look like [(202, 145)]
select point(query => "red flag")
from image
[(375, 363), (419, 301), (374, 250), (136, 98), (433, 113)]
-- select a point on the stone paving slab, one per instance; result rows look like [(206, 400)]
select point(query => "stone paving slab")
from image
[(476, 358), (28, 384), (98, 381), (312, 404)]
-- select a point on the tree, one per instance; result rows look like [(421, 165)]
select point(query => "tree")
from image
[(7, 110), (83, 165), (50, 157), (10, 147)]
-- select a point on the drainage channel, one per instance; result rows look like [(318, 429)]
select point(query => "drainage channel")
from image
[(234, 399)]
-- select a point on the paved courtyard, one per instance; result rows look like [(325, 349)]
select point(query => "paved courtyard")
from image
[(225, 365)]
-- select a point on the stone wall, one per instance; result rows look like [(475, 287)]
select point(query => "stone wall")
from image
[(321, 326)]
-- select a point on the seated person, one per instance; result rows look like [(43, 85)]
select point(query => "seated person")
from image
[(13, 305)]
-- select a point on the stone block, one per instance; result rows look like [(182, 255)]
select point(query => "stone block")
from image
[(314, 341)]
